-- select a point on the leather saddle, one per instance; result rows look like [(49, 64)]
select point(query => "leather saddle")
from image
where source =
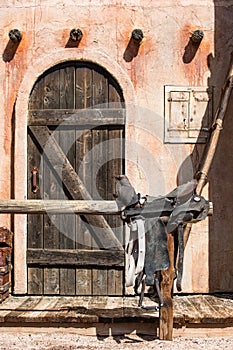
[(149, 225)]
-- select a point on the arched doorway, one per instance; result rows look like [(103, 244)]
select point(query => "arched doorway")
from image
[(75, 147)]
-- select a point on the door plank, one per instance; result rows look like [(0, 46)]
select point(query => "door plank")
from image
[(51, 224), (67, 81), (67, 222), (100, 282), (35, 280), (114, 167), (98, 178), (115, 282), (35, 222), (36, 97), (73, 184), (119, 282), (67, 281), (87, 117), (51, 281), (83, 169), (83, 88), (100, 89), (51, 91), (115, 95), (74, 257), (84, 281), (84, 237)]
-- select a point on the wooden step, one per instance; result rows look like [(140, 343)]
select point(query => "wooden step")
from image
[(193, 314)]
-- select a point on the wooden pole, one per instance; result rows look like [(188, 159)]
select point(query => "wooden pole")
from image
[(166, 311), (211, 146), (38, 206)]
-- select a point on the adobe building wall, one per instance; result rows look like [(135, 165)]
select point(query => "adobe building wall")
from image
[(164, 58)]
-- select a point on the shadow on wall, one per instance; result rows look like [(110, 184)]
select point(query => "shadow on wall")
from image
[(220, 175), (221, 189)]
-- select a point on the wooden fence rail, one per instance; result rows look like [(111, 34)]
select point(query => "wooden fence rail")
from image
[(38, 206)]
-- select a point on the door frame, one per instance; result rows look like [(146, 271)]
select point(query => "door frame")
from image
[(20, 152)]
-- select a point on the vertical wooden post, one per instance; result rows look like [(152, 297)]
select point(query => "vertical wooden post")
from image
[(166, 312)]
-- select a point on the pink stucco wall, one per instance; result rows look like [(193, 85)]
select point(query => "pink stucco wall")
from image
[(151, 165)]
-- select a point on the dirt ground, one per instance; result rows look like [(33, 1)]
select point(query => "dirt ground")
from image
[(60, 340)]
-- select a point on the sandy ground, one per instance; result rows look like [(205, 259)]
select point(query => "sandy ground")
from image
[(61, 340)]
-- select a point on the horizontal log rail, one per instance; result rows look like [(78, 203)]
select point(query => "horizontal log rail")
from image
[(39, 206)]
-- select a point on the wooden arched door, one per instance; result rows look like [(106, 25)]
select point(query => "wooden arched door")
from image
[(75, 136)]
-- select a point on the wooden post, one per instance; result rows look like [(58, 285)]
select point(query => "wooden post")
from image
[(166, 311)]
